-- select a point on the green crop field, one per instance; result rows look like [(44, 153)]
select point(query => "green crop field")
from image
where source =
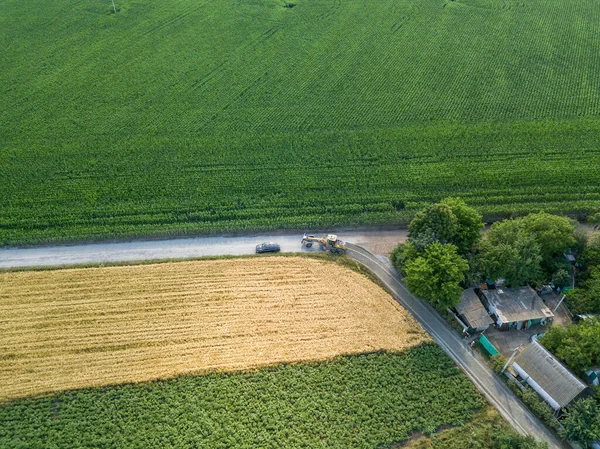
[(353, 402), (187, 116)]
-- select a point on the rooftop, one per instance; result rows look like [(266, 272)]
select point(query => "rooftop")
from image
[(517, 304), (473, 310), (549, 373)]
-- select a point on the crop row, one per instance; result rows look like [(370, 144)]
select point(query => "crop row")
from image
[(363, 178)]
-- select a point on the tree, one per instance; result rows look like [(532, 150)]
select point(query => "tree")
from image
[(586, 299), (516, 259), (581, 242), (497, 261), (497, 361), (595, 219), (561, 278), (591, 256), (449, 221), (505, 231), (436, 222), (470, 224), (576, 345), (473, 274), (435, 274), (402, 254), (528, 269), (554, 234), (582, 421)]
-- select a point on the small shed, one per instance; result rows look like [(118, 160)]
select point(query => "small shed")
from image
[(547, 376), (515, 307), (472, 312), (488, 346), (593, 376)]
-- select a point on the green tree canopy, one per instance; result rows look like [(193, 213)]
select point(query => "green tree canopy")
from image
[(516, 260), (528, 269), (503, 232), (561, 278), (436, 222), (553, 233), (497, 261), (449, 221), (576, 345), (436, 273), (586, 299), (582, 421), (470, 224), (402, 254), (540, 241), (595, 219), (591, 255)]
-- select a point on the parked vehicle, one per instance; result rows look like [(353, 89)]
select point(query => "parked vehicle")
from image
[(268, 247), (535, 337)]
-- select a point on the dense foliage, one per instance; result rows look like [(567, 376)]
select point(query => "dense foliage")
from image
[(576, 345), (591, 256), (402, 254), (432, 261), (435, 274), (553, 233), (324, 114), (358, 402), (537, 405), (449, 221), (527, 250), (497, 361), (518, 262), (581, 422), (586, 298), (594, 218)]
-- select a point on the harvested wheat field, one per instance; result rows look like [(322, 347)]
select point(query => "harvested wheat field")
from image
[(73, 328)]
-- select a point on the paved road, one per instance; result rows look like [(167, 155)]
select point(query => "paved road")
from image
[(472, 364), (380, 242)]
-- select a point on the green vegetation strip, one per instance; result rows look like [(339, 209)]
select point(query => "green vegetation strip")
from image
[(352, 402), (200, 117)]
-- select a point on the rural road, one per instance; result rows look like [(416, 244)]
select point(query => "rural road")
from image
[(380, 242), (362, 248)]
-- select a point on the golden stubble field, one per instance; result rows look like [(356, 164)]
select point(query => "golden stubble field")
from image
[(73, 328)]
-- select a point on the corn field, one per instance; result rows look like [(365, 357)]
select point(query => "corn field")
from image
[(185, 117)]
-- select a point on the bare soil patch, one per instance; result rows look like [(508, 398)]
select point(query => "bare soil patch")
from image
[(74, 328)]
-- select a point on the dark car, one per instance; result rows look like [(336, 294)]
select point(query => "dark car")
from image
[(270, 247)]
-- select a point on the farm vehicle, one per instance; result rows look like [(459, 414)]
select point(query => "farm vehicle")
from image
[(329, 244)]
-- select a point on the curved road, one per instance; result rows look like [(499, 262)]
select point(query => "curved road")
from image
[(364, 242)]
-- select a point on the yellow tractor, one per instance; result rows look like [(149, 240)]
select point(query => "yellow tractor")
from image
[(329, 244)]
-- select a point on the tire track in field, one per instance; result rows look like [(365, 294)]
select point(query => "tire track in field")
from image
[(222, 66), (238, 95), (192, 7)]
